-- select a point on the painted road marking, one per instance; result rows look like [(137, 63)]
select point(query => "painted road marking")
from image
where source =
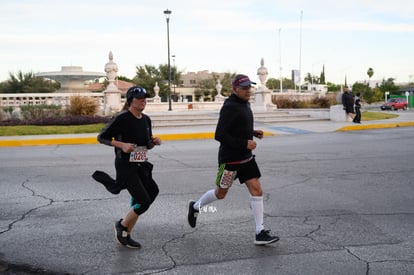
[(291, 130)]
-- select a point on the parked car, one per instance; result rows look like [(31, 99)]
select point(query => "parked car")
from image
[(395, 104)]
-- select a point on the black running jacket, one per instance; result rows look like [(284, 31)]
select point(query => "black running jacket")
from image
[(234, 129)]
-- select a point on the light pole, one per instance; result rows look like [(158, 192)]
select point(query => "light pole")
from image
[(280, 60), (175, 71), (407, 94), (167, 13), (300, 51)]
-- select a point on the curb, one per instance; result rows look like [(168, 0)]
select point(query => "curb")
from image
[(33, 141), (92, 140), (375, 126)]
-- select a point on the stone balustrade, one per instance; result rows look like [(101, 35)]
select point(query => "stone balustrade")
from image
[(153, 106), (62, 99)]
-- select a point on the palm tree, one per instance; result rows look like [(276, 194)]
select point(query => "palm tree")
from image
[(28, 83), (370, 73)]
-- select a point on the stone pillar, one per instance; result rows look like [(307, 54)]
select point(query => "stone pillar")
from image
[(263, 97), (157, 98), (112, 96), (219, 97)]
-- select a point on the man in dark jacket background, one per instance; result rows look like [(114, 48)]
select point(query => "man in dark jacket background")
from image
[(235, 133), (348, 103)]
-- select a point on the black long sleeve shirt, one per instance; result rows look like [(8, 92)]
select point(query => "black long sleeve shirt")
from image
[(126, 127)]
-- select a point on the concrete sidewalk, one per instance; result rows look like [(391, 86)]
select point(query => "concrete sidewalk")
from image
[(405, 119)]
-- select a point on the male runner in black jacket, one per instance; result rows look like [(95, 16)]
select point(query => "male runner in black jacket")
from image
[(235, 133)]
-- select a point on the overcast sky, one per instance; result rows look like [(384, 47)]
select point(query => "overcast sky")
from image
[(347, 37)]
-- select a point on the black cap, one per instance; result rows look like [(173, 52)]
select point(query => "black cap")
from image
[(137, 92), (242, 80)]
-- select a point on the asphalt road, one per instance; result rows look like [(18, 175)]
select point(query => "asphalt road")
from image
[(341, 202)]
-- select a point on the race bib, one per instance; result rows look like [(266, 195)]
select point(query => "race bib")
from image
[(139, 154), (227, 179)]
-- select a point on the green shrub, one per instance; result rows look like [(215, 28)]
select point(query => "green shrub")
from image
[(33, 112), (8, 109)]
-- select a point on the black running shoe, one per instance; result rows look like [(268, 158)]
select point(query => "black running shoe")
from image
[(130, 243), (121, 233), (122, 236), (265, 238), (192, 214)]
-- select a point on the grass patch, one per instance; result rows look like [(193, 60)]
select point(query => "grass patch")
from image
[(24, 130), (366, 116)]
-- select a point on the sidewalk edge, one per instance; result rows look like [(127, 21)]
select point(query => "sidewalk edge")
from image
[(375, 126)]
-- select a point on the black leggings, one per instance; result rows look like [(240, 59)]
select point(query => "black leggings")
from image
[(137, 179), (358, 114)]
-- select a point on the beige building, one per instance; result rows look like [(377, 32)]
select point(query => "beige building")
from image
[(191, 79)]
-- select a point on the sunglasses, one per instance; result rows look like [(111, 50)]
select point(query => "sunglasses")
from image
[(138, 92), (244, 88)]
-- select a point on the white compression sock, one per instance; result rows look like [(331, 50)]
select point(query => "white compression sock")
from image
[(207, 198), (257, 208)]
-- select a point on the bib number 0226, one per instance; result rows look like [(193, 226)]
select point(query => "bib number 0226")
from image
[(139, 154)]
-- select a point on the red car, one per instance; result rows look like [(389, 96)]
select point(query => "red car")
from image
[(395, 104)]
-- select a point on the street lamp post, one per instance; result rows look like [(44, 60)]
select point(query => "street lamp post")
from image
[(300, 51), (407, 94), (280, 60), (175, 71), (167, 13)]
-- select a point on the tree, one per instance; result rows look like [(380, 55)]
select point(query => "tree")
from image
[(332, 87), (312, 79), (207, 87), (322, 77), (378, 95), (389, 86), (274, 84), (370, 73), (124, 78), (28, 83), (147, 75), (364, 90)]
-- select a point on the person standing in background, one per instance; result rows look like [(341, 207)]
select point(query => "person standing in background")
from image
[(357, 118), (348, 103)]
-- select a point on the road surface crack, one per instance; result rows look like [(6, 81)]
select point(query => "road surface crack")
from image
[(24, 215)]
